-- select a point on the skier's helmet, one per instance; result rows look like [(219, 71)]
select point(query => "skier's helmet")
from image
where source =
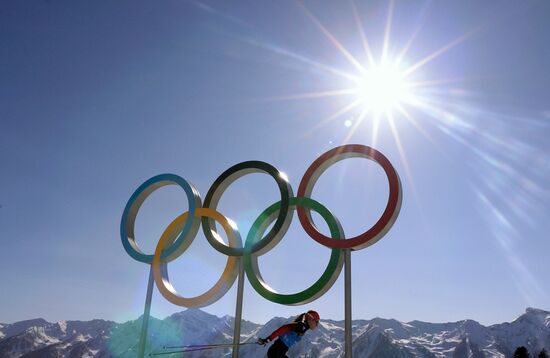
[(312, 315)]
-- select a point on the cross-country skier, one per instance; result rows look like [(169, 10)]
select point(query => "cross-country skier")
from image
[(289, 334)]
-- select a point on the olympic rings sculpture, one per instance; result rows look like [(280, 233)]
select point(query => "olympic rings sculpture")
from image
[(181, 232)]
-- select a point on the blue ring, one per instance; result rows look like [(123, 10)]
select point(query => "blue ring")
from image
[(136, 200)]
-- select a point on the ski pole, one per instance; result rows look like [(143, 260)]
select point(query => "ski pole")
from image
[(182, 351), (206, 345), (191, 348)]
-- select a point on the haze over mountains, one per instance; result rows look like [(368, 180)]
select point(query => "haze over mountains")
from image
[(378, 337)]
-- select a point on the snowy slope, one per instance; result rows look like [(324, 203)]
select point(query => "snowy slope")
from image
[(380, 338)]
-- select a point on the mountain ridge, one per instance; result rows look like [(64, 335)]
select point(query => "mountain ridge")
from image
[(377, 337)]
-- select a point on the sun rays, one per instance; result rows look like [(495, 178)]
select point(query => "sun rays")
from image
[(379, 89)]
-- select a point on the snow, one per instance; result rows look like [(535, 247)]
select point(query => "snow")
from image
[(330, 326), (62, 326)]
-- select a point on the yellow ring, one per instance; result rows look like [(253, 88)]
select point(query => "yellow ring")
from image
[(160, 268)]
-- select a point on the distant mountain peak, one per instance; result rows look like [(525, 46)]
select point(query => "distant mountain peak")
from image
[(536, 311), (194, 313)]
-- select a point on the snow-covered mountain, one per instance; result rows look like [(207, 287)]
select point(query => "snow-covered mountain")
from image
[(378, 337)]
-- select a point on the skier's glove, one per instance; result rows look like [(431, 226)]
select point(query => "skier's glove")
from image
[(262, 341)]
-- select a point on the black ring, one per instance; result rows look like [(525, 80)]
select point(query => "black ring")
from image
[(224, 181)]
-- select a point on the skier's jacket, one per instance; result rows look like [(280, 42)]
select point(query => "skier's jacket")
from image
[(290, 334)]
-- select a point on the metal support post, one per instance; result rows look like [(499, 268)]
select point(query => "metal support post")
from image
[(147, 310), (347, 303), (238, 310)]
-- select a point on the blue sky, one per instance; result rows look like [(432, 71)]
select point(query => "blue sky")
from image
[(95, 98)]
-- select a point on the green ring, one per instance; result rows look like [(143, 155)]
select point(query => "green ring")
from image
[(322, 285)]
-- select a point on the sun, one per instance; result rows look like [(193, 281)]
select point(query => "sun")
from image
[(382, 88)]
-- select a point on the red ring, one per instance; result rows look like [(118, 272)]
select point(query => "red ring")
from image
[(378, 230)]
